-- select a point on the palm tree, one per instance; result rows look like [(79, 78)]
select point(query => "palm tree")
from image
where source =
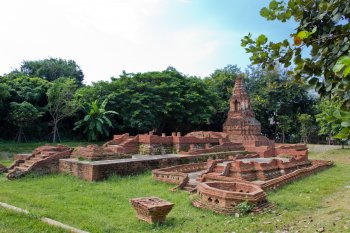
[(96, 121)]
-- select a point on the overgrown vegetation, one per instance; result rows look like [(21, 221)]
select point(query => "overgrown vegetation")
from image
[(244, 208)]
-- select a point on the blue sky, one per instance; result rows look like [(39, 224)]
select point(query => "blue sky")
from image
[(107, 36)]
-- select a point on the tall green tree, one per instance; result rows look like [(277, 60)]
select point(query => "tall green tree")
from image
[(284, 126), (96, 121), (161, 101), (305, 121), (274, 93), (221, 83), (52, 69), (323, 119), (25, 88), (21, 115), (61, 102), (4, 93)]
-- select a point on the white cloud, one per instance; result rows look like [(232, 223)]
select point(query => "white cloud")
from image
[(108, 36)]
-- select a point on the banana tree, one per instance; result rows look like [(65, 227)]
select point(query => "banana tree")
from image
[(96, 121)]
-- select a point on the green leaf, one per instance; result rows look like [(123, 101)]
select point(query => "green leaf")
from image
[(99, 127), (345, 124), (313, 81), (273, 5), (262, 39), (264, 12), (108, 121), (343, 134), (303, 34)]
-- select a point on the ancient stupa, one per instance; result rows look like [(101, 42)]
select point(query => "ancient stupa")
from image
[(241, 124)]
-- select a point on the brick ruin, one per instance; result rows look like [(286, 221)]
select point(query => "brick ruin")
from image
[(225, 197), (224, 168), (151, 209), (222, 184), (43, 160)]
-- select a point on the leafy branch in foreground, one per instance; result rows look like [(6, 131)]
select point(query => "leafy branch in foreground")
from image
[(318, 49)]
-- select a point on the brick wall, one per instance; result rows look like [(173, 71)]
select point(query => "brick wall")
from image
[(100, 170)]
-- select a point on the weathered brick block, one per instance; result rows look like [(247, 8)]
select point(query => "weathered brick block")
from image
[(151, 209)]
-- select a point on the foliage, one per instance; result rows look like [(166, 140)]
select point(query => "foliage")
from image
[(24, 88), (52, 69), (284, 125), (221, 83), (328, 125), (274, 94), (324, 27), (96, 121), (23, 114), (164, 101), (161, 101), (305, 121), (4, 93), (244, 207), (344, 118), (60, 101)]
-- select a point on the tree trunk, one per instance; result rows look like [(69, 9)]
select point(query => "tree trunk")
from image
[(19, 137), (55, 132), (283, 137)]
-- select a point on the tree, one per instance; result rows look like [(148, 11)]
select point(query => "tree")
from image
[(220, 83), (284, 125), (327, 127), (305, 121), (4, 93), (320, 47), (61, 103), (21, 115), (163, 101), (52, 69), (24, 88), (96, 121), (274, 93), (323, 27)]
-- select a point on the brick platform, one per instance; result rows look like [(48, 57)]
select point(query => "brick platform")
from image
[(99, 170)]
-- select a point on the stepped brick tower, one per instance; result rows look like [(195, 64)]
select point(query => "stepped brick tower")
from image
[(241, 124), (241, 120)]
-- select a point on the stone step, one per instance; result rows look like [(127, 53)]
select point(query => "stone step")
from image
[(42, 156), (26, 165), (21, 167), (34, 159), (30, 162)]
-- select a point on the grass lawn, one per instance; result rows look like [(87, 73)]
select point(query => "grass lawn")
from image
[(321, 200)]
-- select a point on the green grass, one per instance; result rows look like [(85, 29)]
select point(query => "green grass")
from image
[(11, 222), (104, 206)]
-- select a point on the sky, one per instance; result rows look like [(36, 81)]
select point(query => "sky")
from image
[(106, 37)]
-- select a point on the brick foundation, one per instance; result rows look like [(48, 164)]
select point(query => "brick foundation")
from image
[(99, 170)]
